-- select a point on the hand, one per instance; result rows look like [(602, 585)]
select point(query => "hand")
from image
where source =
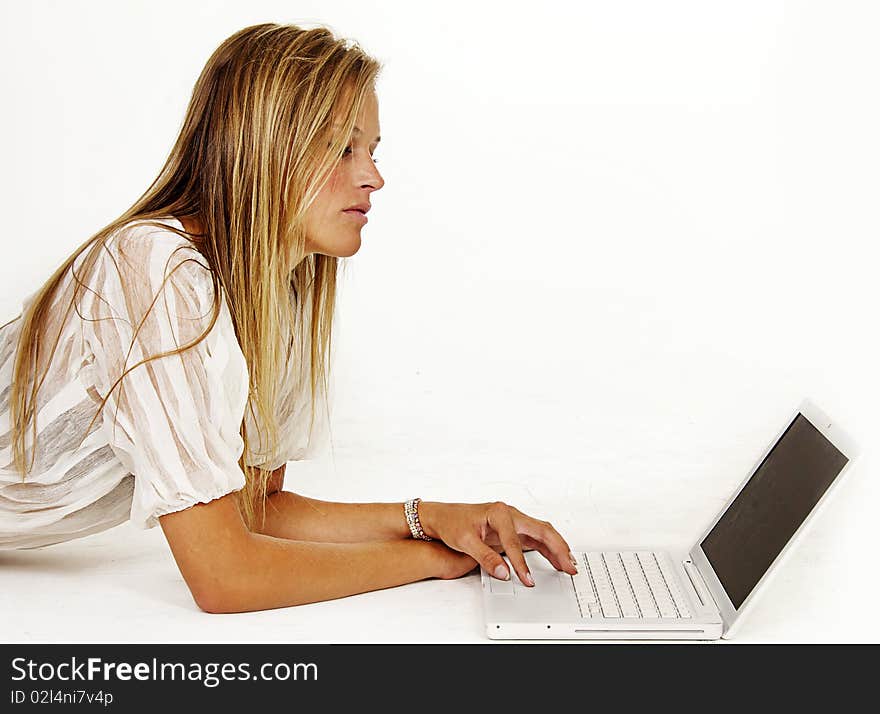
[(477, 529), (449, 563)]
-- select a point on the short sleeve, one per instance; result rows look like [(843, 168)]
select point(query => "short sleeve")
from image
[(173, 421)]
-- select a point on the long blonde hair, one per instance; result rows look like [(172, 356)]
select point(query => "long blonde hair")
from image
[(256, 146)]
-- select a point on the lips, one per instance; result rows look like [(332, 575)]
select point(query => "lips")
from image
[(360, 207), (358, 215)]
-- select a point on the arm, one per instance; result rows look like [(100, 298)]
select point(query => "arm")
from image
[(478, 530), (230, 569), (295, 517)]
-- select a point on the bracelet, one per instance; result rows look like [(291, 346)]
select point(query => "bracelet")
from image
[(411, 510)]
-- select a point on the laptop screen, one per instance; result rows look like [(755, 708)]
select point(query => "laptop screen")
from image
[(771, 507)]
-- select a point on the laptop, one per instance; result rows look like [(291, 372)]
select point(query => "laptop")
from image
[(639, 593)]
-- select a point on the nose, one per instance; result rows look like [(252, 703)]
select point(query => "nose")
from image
[(371, 177)]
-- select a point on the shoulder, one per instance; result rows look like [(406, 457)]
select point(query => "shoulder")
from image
[(144, 258), (149, 243), (152, 254)]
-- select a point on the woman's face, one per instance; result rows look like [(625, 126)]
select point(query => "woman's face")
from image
[(332, 226)]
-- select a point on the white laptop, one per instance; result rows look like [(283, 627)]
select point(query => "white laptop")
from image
[(638, 593)]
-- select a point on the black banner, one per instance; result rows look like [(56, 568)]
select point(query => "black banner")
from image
[(135, 677)]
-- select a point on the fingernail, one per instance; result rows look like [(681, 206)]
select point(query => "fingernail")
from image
[(502, 573), (529, 579)]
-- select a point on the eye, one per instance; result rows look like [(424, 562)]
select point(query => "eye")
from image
[(348, 151)]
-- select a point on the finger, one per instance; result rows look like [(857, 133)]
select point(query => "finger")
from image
[(501, 520), (489, 558), (532, 544), (525, 543), (491, 538), (544, 532)]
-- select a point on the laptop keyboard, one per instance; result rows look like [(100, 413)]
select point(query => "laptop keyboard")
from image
[(628, 584)]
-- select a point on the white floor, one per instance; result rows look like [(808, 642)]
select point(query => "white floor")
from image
[(123, 585)]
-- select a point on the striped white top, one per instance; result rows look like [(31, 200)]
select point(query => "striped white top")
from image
[(168, 437)]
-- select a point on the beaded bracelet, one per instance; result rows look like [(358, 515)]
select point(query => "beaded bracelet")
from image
[(411, 509)]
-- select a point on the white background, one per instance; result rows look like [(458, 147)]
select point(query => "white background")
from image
[(617, 245)]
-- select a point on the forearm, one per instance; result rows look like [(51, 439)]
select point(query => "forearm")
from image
[(295, 517), (276, 572)]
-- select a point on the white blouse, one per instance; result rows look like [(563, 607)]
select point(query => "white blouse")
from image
[(168, 436)]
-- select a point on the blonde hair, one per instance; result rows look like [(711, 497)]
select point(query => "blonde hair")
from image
[(256, 147)]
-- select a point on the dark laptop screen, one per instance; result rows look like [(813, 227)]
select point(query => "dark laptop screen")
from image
[(771, 507)]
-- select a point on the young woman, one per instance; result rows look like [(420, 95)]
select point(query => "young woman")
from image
[(166, 371)]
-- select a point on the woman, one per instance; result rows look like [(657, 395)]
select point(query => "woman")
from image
[(158, 375)]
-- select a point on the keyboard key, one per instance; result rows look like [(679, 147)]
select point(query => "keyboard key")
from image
[(621, 584), (644, 598), (672, 583), (628, 584), (583, 586), (603, 585), (658, 585)]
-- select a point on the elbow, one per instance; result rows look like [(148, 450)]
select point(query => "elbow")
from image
[(215, 609), (211, 604), (217, 601), (216, 555), (225, 595), (211, 600), (221, 591), (229, 586)]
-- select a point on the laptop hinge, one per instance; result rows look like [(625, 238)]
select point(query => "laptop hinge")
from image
[(704, 594)]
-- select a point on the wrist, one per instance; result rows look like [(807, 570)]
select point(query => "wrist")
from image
[(427, 517), (413, 519), (436, 557)]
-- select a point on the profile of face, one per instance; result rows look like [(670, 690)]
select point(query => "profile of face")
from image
[(333, 226)]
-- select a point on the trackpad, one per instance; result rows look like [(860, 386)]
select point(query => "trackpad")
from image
[(500, 587), (547, 579)]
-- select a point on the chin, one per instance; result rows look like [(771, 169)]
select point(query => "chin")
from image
[(346, 249), (338, 246)]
